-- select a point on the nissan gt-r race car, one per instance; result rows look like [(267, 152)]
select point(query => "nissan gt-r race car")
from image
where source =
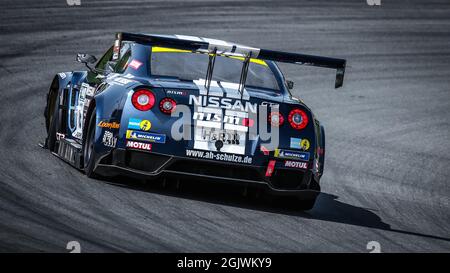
[(158, 105)]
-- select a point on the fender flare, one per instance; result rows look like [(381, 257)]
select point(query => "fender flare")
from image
[(55, 94), (322, 146)]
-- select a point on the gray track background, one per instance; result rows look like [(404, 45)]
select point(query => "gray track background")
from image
[(388, 143)]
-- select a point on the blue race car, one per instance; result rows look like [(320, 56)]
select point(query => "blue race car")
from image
[(158, 105)]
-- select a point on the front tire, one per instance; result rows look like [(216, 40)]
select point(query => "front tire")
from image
[(89, 154)]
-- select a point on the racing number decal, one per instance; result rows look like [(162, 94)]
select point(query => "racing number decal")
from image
[(85, 95)]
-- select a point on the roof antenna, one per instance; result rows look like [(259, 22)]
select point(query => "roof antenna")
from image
[(244, 73), (209, 72)]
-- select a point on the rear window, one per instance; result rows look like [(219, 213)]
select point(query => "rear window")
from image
[(186, 65)]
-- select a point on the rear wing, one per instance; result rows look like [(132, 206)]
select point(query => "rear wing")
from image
[(213, 46)]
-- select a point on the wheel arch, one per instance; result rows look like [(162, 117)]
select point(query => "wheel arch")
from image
[(55, 94), (322, 148)]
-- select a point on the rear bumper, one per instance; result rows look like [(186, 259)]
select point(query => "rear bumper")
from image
[(151, 165)]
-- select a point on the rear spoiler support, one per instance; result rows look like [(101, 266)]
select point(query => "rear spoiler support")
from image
[(210, 70), (244, 73)]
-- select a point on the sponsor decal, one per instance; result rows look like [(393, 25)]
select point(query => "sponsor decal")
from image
[(139, 145), (222, 117), (90, 91), (109, 140), (223, 136), (219, 156), (139, 124), (80, 112), (291, 154), (235, 122), (224, 103), (219, 129), (296, 164), (145, 136), (109, 125), (135, 64), (300, 143), (176, 92), (62, 75)]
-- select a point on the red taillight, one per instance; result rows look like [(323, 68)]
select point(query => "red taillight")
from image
[(270, 168), (167, 105), (248, 122), (276, 119), (298, 119), (143, 99)]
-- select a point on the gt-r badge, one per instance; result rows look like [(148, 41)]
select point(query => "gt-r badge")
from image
[(176, 92)]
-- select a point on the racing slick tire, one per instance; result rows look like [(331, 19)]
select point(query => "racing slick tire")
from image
[(53, 128), (89, 156)]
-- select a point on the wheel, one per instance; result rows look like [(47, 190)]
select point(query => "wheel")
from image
[(88, 147), (53, 127)]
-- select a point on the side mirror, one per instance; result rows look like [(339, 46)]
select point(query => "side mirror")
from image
[(110, 66), (86, 58), (290, 84)]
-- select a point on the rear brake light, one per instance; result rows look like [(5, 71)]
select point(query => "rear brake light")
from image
[(298, 119), (167, 105), (248, 122), (270, 168), (143, 99), (276, 119)]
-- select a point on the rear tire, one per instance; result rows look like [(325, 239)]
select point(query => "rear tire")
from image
[(53, 128), (89, 156)]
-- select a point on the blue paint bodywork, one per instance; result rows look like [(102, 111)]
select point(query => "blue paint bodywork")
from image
[(112, 102)]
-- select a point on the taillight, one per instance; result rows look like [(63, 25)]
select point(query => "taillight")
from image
[(298, 119), (276, 119), (143, 99), (248, 122), (167, 105)]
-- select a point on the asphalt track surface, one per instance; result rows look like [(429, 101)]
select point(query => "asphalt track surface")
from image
[(388, 143)]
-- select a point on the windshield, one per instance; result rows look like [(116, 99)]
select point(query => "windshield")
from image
[(186, 65)]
